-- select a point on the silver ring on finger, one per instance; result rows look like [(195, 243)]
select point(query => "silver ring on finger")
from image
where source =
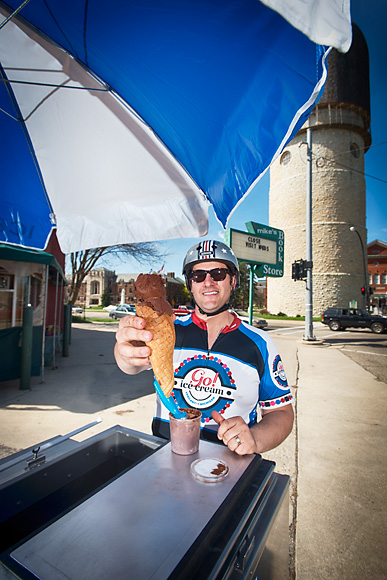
[(237, 440)]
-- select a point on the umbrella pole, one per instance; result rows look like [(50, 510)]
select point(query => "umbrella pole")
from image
[(13, 14)]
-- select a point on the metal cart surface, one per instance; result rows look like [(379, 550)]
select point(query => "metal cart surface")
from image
[(121, 505)]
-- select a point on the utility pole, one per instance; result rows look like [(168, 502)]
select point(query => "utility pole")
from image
[(309, 282), (365, 269)]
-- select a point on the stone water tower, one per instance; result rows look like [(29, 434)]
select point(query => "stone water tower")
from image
[(340, 125)]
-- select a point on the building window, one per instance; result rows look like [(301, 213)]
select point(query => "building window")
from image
[(383, 279), (13, 290), (376, 279), (285, 157), (94, 288), (355, 151), (36, 288), (6, 299)]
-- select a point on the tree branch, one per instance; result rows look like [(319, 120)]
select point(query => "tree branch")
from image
[(82, 262)]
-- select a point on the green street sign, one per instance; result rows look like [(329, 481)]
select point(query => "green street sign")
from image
[(261, 246)]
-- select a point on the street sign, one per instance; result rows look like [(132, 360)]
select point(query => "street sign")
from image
[(261, 246)]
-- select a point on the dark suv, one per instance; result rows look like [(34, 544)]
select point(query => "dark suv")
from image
[(338, 318)]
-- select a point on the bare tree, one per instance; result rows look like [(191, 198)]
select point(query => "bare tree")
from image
[(242, 293), (84, 261)]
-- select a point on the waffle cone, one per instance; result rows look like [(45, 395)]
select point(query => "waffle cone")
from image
[(162, 345)]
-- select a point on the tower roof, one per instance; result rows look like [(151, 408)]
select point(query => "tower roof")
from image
[(348, 75)]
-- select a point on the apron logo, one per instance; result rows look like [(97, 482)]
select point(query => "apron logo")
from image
[(204, 384)]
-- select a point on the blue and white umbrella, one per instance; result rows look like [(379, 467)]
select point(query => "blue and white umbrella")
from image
[(122, 121)]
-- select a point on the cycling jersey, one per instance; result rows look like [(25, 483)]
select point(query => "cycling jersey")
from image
[(240, 372)]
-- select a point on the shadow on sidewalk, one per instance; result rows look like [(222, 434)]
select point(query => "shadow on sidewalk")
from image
[(87, 381)]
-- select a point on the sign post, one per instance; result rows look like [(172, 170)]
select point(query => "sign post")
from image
[(251, 293), (262, 247)]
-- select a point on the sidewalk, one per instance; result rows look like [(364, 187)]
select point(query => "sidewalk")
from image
[(336, 455), (84, 386)]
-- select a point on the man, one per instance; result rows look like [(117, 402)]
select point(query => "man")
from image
[(223, 366)]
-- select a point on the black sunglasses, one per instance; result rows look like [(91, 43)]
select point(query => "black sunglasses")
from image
[(217, 274)]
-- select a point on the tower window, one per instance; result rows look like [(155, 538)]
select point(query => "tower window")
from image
[(355, 151), (285, 157)]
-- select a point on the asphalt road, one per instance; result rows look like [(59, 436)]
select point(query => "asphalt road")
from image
[(367, 349)]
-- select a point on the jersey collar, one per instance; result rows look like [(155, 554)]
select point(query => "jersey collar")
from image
[(203, 324)]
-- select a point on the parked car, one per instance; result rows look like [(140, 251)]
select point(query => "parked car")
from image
[(183, 310), (123, 310), (341, 318), (77, 310), (109, 308), (257, 322)]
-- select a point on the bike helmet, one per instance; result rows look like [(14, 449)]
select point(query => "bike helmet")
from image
[(210, 250)]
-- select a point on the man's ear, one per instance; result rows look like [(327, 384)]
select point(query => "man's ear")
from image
[(233, 283)]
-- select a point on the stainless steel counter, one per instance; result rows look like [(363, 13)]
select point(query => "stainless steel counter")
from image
[(139, 526), (148, 518)]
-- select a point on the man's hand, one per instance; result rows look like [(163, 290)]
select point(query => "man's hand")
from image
[(130, 351), (235, 433), (274, 427)]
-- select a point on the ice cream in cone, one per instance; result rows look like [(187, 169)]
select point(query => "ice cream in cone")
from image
[(152, 305)]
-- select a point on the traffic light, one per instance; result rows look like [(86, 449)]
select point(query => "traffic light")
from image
[(300, 269), (302, 272), (363, 290), (296, 270)]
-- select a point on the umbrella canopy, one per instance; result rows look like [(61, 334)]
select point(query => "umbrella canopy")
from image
[(122, 121)]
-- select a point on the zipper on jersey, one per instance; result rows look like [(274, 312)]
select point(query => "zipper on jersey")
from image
[(215, 341)]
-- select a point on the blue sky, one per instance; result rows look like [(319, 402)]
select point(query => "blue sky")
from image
[(371, 18)]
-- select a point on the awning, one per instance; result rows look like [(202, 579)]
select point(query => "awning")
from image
[(19, 254)]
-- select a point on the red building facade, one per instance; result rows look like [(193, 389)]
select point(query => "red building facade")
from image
[(377, 275)]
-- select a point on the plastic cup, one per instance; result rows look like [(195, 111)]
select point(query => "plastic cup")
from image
[(185, 433)]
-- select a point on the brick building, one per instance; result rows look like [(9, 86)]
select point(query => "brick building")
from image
[(120, 288), (377, 275)]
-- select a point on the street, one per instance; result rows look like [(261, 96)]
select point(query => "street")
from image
[(367, 349)]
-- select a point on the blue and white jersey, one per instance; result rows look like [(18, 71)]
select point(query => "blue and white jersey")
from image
[(240, 372)]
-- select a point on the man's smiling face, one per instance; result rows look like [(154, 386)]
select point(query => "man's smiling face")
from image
[(211, 295)]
